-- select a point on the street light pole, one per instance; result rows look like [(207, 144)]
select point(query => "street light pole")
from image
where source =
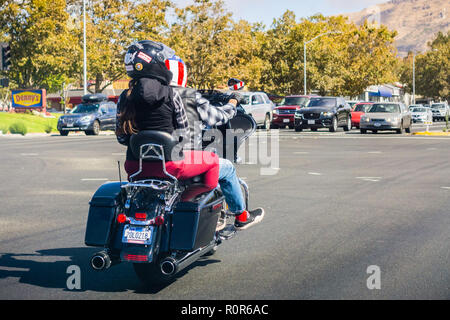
[(84, 49), (304, 54), (414, 78)]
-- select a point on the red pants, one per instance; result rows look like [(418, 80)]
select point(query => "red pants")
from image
[(195, 163)]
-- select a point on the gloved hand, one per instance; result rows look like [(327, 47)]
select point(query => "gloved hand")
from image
[(237, 96)]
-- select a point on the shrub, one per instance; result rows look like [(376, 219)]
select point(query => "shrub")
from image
[(18, 127), (48, 127), (4, 129)]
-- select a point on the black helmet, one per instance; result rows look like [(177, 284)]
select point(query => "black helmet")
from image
[(147, 59)]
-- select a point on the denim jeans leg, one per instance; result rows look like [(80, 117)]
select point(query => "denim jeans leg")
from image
[(231, 188)]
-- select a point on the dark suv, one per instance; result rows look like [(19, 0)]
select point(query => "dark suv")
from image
[(95, 113), (324, 112)]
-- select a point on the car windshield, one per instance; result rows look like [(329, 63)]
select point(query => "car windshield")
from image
[(322, 102), (295, 101), (362, 107), (438, 106), (419, 110), (85, 108), (384, 108)]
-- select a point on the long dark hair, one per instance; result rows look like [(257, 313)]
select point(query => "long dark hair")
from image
[(127, 116)]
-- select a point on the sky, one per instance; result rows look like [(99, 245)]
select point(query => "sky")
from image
[(266, 10)]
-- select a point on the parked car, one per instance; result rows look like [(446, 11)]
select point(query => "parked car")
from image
[(414, 106), (440, 110), (421, 114), (358, 110), (94, 114), (352, 104), (324, 112), (386, 116), (283, 115), (259, 106)]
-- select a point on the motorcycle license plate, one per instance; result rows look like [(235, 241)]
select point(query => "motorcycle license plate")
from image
[(139, 235)]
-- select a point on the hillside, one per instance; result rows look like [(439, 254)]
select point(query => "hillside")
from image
[(416, 21)]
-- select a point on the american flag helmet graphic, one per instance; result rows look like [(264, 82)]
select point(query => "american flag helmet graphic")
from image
[(178, 68), (235, 84)]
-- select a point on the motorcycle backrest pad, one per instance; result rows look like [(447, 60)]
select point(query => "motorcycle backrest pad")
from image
[(172, 148)]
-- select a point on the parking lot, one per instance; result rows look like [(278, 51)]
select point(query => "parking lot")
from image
[(339, 203)]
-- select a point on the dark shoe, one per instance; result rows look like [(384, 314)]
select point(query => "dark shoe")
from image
[(253, 217)]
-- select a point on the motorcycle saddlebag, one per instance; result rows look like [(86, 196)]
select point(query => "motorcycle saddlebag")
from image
[(102, 213), (193, 225)]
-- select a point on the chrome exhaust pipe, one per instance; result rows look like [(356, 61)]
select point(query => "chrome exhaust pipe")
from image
[(101, 261), (169, 266)]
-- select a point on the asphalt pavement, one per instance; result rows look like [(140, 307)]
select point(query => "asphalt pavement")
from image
[(336, 204)]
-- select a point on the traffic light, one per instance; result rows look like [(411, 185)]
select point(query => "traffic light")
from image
[(6, 57)]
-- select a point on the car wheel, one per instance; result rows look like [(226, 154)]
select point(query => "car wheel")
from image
[(374, 131), (95, 129), (298, 129), (348, 127), (363, 131), (408, 130), (334, 125), (267, 123), (400, 131), (314, 129), (64, 133)]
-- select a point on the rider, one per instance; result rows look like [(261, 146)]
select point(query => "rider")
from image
[(153, 66)]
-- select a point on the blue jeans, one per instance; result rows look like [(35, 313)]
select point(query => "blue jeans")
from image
[(231, 188)]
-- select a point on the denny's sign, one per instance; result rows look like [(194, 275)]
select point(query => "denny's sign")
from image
[(29, 99)]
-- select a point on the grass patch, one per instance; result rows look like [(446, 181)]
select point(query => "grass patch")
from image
[(34, 124)]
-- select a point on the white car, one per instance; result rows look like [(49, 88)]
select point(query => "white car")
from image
[(440, 111), (421, 114), (259, 106)]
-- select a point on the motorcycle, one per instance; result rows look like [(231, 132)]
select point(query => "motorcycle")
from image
[(145, 222)]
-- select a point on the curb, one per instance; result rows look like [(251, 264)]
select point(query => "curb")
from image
[(436, 134)]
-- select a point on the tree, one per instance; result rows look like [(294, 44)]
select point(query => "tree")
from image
[(432, 69), (40, 42), (112, 25)]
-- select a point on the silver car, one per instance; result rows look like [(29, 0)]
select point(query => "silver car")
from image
[(386, 116), (259, 106), (421, 114)]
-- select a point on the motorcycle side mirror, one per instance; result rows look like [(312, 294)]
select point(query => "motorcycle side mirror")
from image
[(236, 84)]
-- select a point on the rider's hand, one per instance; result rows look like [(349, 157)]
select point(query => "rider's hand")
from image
[(237, 97)]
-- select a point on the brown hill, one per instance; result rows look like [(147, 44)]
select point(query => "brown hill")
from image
[(416, 21)]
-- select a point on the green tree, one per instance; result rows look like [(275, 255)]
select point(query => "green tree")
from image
[(112, 25), (41, 44), (432, 69)]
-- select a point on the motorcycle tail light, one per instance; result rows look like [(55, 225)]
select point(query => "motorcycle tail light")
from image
[(134, 257), (140, 216), (121, 218), (159, 221)]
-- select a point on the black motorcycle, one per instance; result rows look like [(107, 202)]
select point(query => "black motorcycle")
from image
[(144, 222)]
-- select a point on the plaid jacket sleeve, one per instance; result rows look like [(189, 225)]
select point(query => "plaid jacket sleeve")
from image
[(181, 119), (214, 115)]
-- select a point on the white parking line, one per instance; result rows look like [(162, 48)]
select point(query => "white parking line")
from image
[(29, 154), (118, 154), (375, 152), (94, 179), (301, 152), (445, 188), (314, 173), (370, 179)]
